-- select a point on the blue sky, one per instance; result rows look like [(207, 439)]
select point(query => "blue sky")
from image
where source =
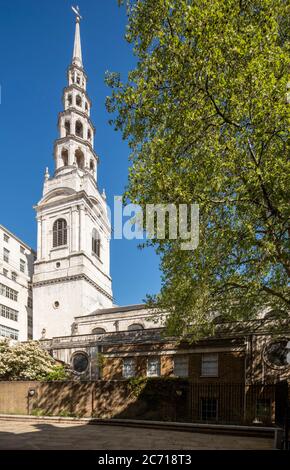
[(36, 42)]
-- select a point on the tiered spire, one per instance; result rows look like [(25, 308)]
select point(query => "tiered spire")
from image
[(77, 54), (74, 149)]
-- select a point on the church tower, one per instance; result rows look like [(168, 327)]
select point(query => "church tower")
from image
[(72, 270)]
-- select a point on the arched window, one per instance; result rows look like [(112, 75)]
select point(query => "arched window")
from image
[(80, 159), (67, 127), (92, 166), (79, 129), (79, 101), (59, 233), (64, 157), (98, 331), (69, 100), (89, 134), (135, 327), (96, 243), (86, 107)]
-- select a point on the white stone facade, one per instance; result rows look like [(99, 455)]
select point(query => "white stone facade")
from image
[(16, 269), (125, 318), (72, 271)]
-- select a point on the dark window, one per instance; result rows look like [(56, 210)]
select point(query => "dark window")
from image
[(6, 255), (64, 156), (79, 129), (22, 266), (59, 233), (67, 127), (98, 331), (263, 410), (80, 159), (69, 99), (78, 101), (96, 243), (80, 362), (276, 353), (208, 409), (135, 327)]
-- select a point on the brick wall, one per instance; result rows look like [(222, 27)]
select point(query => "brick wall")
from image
[(231, 367)]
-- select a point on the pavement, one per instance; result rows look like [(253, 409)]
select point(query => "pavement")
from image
[(21, 435)]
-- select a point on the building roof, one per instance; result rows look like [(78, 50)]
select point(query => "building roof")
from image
[(6, 230), (124, 308)]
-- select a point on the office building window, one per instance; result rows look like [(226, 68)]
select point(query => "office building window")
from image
[(7, 332), (14, 277), (8, 312), (6, 255), (8, 292), (22, 266), (5, 238), (5, 272)]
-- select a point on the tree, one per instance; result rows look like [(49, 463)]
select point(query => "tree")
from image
[(206, 115), (28, 361)]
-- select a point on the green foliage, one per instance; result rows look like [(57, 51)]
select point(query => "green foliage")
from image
[(136, 385), (28, 361), (58, 372), (207, 119), (39, 412)]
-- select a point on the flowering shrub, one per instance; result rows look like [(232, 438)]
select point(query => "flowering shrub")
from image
[(28, 361)]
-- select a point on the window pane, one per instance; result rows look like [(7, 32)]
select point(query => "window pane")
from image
[(208, 409), (181, 366), (153, 367), (128, 367), (209, 365)]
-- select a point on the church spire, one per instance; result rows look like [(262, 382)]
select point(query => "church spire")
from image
[(74, 149), (77, 53)]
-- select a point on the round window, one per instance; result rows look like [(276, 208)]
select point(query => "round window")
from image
[(276, 354), (80, 362)]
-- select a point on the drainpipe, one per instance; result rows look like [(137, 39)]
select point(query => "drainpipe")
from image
[(247, 349)]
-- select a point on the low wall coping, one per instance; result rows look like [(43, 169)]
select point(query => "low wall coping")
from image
[(273, 430)]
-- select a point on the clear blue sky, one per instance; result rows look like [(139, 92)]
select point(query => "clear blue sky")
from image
[(36, 42)]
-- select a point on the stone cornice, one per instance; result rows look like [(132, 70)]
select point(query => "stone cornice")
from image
[(78, 88), (79, 141), (74, 254), (74, 66), (78, 277), (79, 112), (75, 197)]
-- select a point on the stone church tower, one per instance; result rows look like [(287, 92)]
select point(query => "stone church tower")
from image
[(72, 271)]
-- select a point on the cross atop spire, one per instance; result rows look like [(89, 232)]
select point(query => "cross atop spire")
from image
[(77, 53)]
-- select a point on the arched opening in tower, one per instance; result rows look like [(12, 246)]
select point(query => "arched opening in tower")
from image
[(79, 129), (80, 159), (64, 157), (67, 128), (79, 101)]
